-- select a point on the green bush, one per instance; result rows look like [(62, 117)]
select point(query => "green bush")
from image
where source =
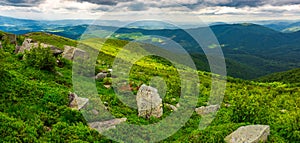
[(41, 58)]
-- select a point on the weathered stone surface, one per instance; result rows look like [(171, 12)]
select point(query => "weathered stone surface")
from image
[(25, 46), (28, 44), (101, 75), (249, 134), (71, 52), (174, 108), (68, 52), (76, 102), (107, 86), (79, 53), (207, 109), (149, 102), (106, 125), (55, 50), (0, 44)]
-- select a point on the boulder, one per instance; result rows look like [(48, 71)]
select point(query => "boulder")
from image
[(68, 52), (249, 134), (101, 75), (55, 50), (79, 53), (207, 109), (0, 45), (25, 46), (149, 102), (172, 107), (106, 125), (76, 102)]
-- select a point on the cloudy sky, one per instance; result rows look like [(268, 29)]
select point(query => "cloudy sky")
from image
[(177, 10)]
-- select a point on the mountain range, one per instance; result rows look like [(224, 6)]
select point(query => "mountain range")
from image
[(250, 50)]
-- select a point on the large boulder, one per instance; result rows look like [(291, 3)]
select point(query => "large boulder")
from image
[(106, 125), (76, 102), (79, 53), (149, 102), (68, 52), (249, 134), (27, 45), (204, 110)]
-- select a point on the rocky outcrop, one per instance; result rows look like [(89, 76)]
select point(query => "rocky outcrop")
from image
[(149, 102), (106, 125), (70, 52), (76, 102), (28, 44), (0, 45), (207, 109), (249, 134)]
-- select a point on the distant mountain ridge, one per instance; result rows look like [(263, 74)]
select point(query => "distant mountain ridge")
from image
[(251, 50)]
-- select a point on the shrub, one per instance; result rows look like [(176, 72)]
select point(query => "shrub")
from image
[(41, 58)]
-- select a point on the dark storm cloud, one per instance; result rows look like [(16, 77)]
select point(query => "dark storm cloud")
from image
[(138, 7), (253, 3), (104, 2), (238, 3), (21, 3)]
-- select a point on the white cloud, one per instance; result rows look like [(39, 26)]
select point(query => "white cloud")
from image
[(208, 10)]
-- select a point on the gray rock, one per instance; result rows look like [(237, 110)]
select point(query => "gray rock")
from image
[(28, 44), (71, 52), (106, 125), (68, 52), (79, 53), (174, 108), (0, 45), (249, 134), (149, 102), (77, 102), (55, 50), (25, 46), (207, 109), (101, 75)]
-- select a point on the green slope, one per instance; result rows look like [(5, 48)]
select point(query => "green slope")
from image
[(34, 102), (51, 39), (291, 76)]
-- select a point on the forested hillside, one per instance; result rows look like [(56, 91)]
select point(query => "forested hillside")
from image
[(251, 50), (288, 77)]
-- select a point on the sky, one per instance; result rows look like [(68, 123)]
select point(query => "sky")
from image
[(176, 10)]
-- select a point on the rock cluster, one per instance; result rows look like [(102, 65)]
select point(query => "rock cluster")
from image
[(207, 109), (249, 134), (28, 44), (149, 102), (76, 102)]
